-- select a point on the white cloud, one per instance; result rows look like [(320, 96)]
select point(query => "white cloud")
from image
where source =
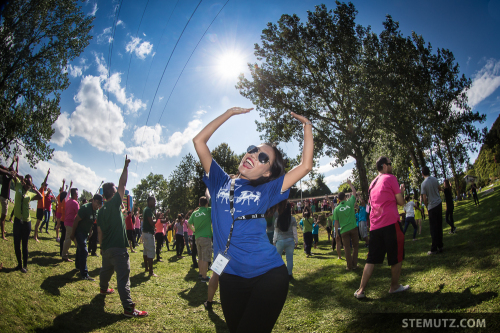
[(62, 167), (95, 119), (338, 178), (328, 167), (144, 34), (484, 82), (141, 50), (120, 22), (160, 98), (113, 85), (62, 130), (200, 112), (131, 173), (150, 144), (105, 36), (75, 71), (94, 10)]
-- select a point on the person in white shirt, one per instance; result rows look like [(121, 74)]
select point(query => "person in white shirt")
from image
[(410, 217)]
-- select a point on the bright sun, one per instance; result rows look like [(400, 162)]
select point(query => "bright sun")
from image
[(230, 65)]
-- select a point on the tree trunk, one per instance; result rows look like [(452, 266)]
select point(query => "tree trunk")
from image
[(360, 165), (421, 158), (441, 160), (452, 165), (414, 158)]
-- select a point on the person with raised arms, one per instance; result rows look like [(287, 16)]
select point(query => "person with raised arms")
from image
[(253, 277), (113, 240), (40, 205), (5, 193)]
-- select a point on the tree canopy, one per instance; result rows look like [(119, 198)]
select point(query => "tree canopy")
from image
[(37, 40)]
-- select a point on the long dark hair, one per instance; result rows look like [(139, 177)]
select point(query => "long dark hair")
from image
[(277, 170), (62, 196), (285, 218)]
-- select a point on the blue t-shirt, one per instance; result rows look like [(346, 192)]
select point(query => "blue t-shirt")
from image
[(315, 229), (250, 251), (357, 219), (362, 213)]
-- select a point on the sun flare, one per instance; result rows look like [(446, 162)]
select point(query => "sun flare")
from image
[(230, 65)]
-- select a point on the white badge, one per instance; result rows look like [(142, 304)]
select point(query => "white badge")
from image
[(219, 263)]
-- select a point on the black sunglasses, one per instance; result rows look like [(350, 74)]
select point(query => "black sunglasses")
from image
[(263, 157)]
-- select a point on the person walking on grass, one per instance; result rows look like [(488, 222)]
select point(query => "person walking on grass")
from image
[(148, 235), (450, 205), (315, 232), (47, 203), (473, 189), (307, 228), (329, 225), (82, 227), (285, 237), (5, 193), (201, 223), (418, 214), (179, 235), (40, 206), (430, 189), (113, 241), (345, 227), (25, 192), (159, 237), (137, 227), (71, 210), (386, 236), (254, 283), (129, 226), (409, 209)]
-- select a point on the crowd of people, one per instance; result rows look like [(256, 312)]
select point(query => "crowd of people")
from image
[(226, 232)]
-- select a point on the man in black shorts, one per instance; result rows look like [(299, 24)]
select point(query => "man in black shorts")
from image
[(386, 235)]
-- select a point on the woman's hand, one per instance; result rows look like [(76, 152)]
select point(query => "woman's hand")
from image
[(237, 110), (300, 118)]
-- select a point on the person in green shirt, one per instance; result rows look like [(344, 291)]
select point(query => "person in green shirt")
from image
[(308, 222), (345, 227), (82, 226), (25, 192), (201, 223), (148, 235), (113, 240)]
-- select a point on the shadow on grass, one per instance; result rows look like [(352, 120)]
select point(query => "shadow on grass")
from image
[(192, 275), (45, 258), (195, 295), (85, 318), (220, 325), (52, 284), (138, 279)]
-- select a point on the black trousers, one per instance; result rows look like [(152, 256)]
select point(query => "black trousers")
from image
[(159, 243), (308, 240), (21, 234), (63, 237), (194, 252), (179, 243), (253, 305), (93, 240), (449, 216), (436, 227), (476, 199)]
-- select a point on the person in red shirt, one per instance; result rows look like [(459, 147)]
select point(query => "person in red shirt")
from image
[(40, 206), (129, 225), (47, 207)]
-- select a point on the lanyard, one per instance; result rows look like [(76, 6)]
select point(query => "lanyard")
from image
[(232, 210)]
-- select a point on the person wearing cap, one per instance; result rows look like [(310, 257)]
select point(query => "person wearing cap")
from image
[(82, 226)]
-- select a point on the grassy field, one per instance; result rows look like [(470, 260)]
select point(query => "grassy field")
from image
[(463, 280)]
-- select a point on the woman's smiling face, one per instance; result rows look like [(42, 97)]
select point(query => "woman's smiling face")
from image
[(251, 168)]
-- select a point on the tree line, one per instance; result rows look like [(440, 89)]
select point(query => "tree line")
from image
[(366, 94)]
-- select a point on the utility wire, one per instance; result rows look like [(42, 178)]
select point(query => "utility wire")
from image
[(182, 71)]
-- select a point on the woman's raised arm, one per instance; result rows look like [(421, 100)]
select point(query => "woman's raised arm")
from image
[(306, 163), (200, 140)]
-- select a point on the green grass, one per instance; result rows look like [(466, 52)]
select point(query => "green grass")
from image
[(463, 279)]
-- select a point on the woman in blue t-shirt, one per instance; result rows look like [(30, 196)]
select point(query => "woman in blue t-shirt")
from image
[(254, 285)]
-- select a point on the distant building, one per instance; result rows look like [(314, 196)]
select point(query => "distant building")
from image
[(470, 179)]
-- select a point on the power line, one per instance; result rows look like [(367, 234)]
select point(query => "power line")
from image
[(136, 33), (182, 71)]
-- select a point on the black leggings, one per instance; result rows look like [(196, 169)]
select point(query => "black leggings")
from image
[(308, 240), (179, 243), (159, 243), (253, 305), (194, 251), (476, 199), (449, 216), (63, 237), (21, 233)]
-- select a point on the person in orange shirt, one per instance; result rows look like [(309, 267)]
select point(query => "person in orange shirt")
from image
[(58, 211), (40, 206), (159, 236)]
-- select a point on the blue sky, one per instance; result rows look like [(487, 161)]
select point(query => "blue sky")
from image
[(104, 111)]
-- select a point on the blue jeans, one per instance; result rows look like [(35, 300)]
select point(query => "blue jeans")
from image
[(411, 220), (186, 240), (288, 245), (46, 218), (81, 253)]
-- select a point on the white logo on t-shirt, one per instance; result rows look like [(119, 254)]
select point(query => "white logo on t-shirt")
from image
[(344, 208), (247, 196)]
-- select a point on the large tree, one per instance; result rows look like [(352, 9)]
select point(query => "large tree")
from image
[(180, 190), (37, 40), (153, 185), (324, 69)]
